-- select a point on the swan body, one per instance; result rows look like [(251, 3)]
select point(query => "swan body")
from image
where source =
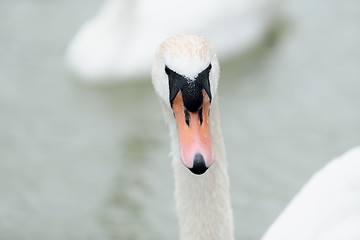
[(202, 194), (118, 43), (327, 207)]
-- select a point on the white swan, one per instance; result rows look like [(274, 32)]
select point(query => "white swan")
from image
[(118, 43), (328, 206), (185, 76)]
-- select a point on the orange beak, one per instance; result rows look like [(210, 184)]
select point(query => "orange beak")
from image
[(196, 151)]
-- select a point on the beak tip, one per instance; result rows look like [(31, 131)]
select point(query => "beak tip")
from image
[(199, 167)]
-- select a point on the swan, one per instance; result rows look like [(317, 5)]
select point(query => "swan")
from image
[(185, 76), (117, 44), (327, 207)]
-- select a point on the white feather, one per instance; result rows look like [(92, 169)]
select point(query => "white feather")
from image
[(327, 207)]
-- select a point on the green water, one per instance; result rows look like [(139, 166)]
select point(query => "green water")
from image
[(79, 162)]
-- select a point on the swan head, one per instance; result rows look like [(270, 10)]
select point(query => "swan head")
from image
[(185, 75)]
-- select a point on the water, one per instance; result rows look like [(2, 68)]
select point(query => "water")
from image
[(79, 162)]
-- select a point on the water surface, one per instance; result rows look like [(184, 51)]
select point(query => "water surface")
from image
[(80, 162)]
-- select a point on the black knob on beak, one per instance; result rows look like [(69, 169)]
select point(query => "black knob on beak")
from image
[(199, 166)]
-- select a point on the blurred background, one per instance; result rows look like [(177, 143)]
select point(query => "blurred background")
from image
[(91, 161)]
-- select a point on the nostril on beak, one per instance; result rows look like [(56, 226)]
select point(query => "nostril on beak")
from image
[(199, 166)]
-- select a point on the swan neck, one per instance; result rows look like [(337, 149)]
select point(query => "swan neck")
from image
[(203, 202)]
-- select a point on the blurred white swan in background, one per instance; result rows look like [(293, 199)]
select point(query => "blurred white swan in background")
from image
[(328, 206), (119, 42)]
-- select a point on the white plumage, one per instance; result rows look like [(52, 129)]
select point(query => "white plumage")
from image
[(202, 202), (327, 207)]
